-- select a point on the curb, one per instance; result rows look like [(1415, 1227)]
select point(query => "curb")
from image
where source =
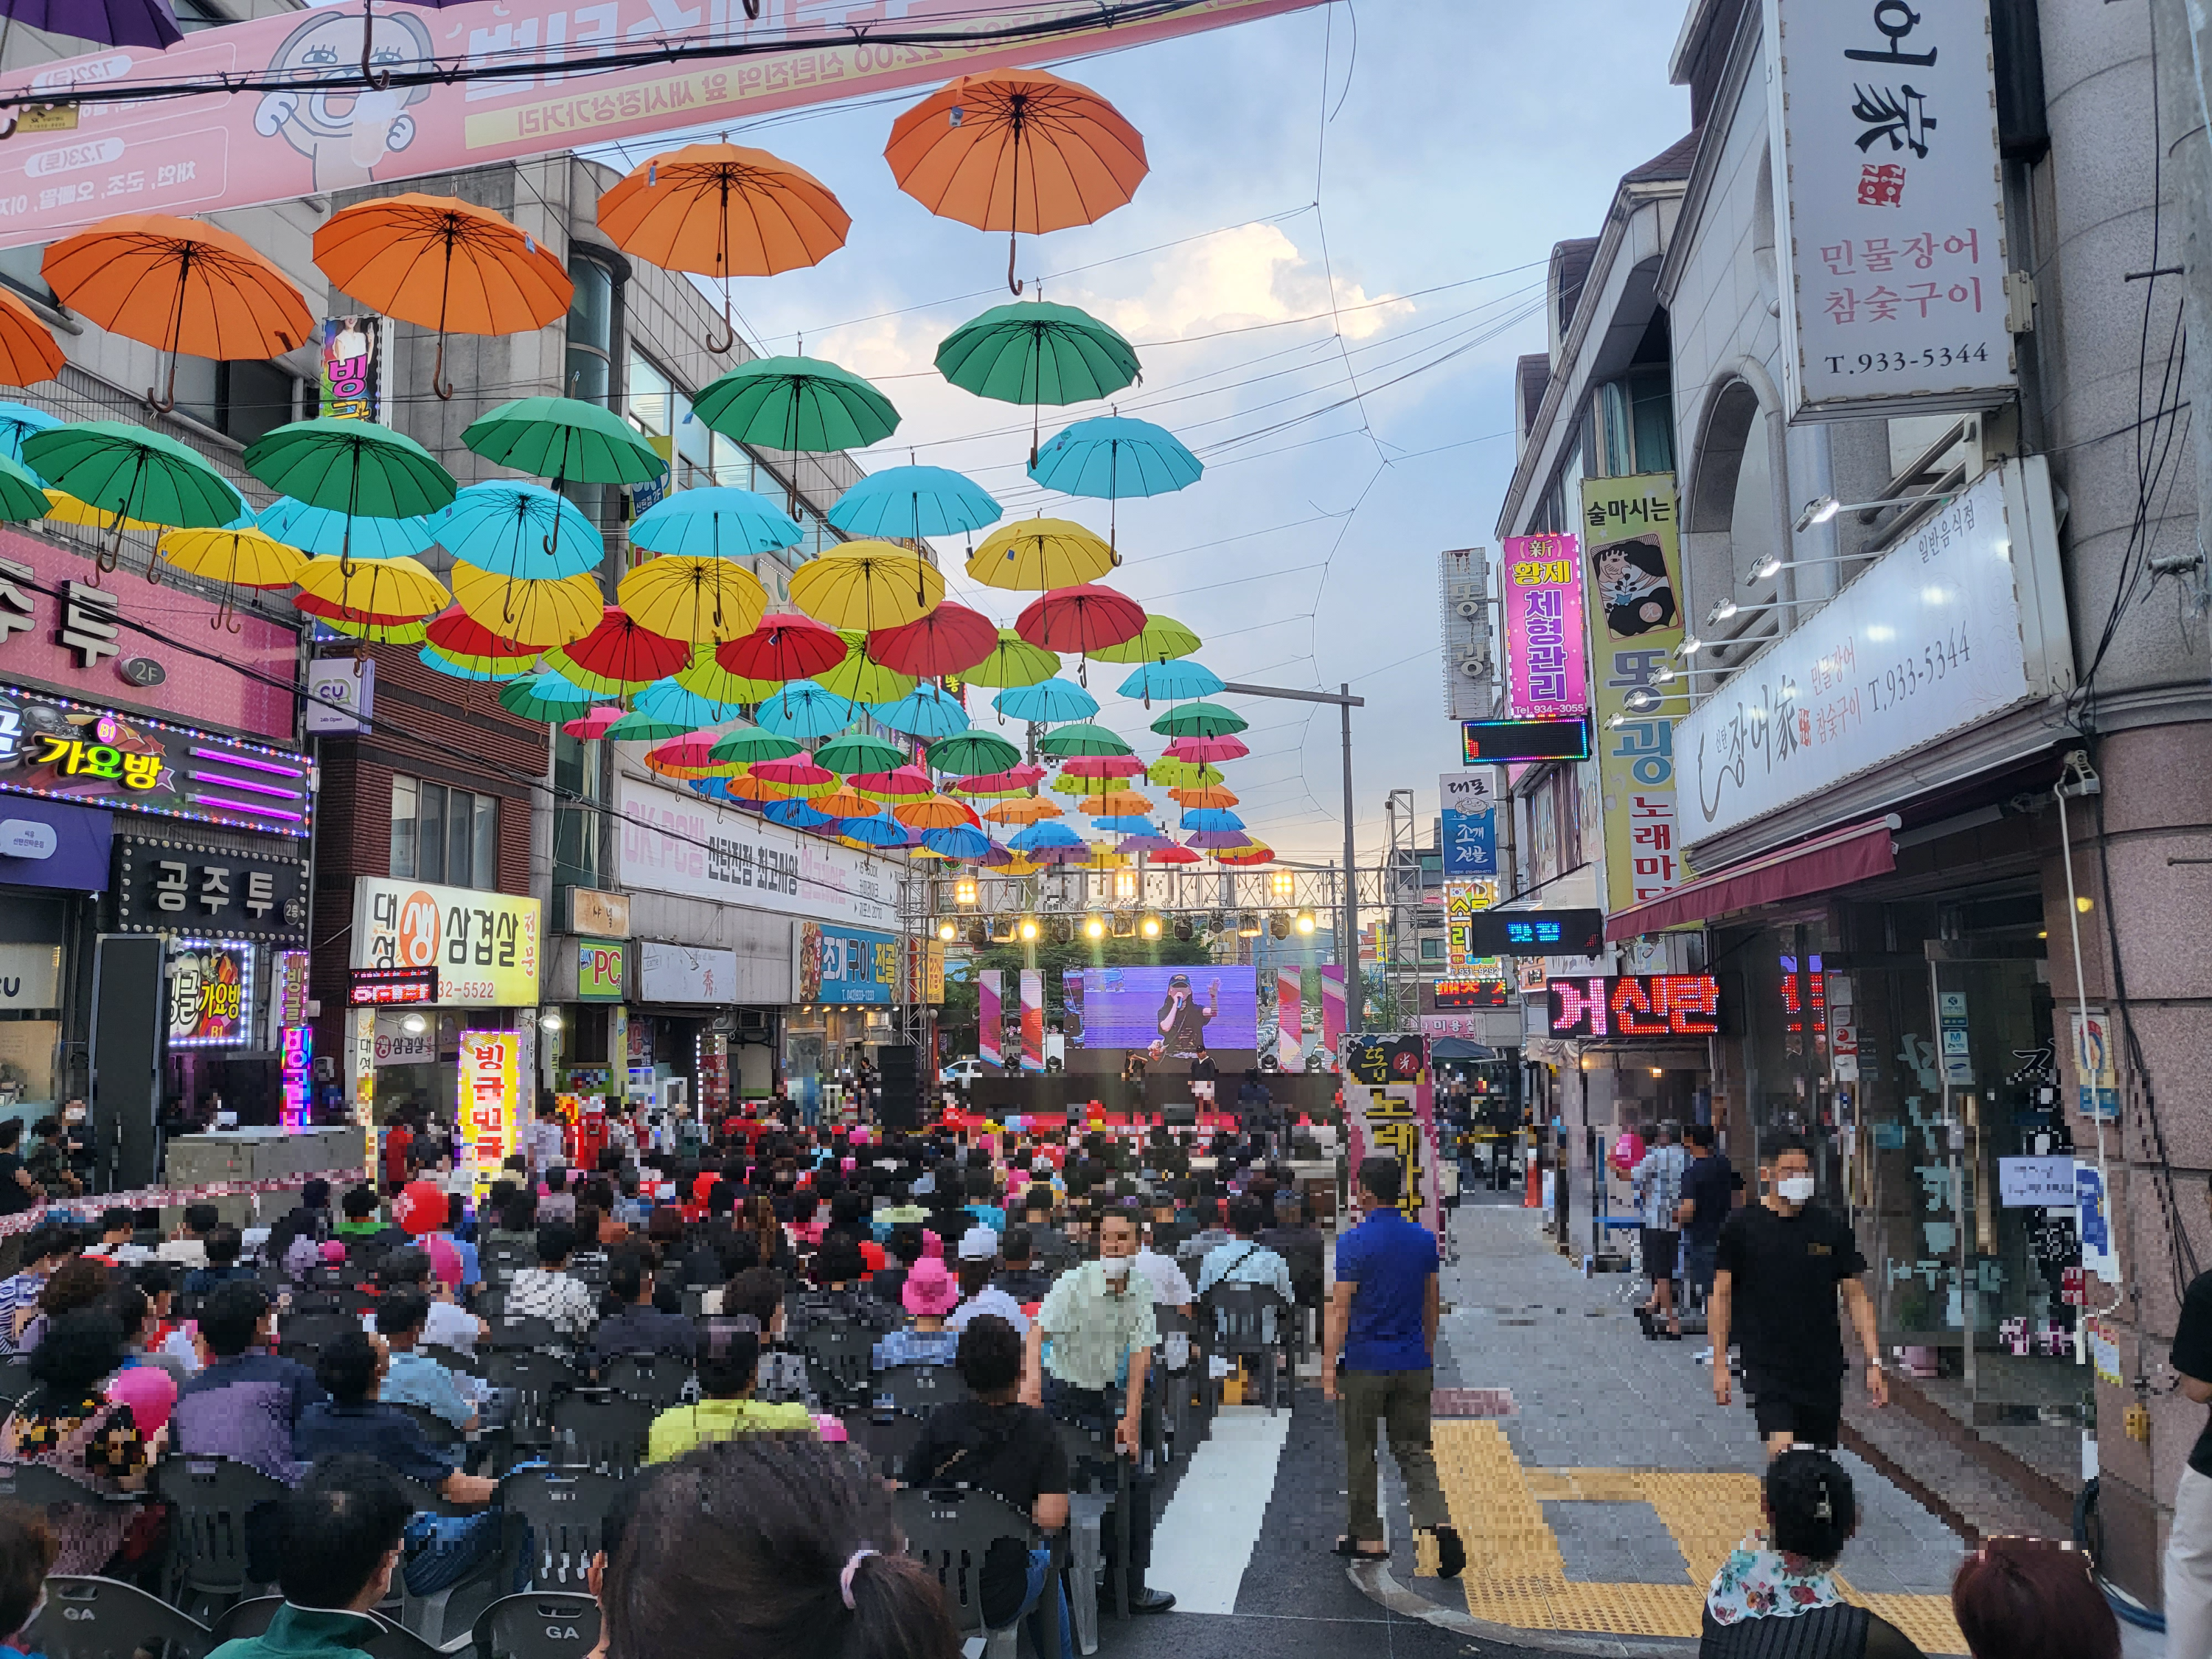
[(1381, 1586)]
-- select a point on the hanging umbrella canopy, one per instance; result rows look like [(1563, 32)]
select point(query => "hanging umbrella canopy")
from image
[(1035, 352), (1017, 150), (684, 757), (544, 696), (1212, 817), (701, 601), (1190, 775), (1207, 749), (178, 285), (961, 841), (318, 530), (1026, 810), (796, 404), (1164, 640), (803, 710), (360, 624), (924, 712), (636, 727), (1101, 762), (938, 812), (28, 352), (241, 558), (1014, 662), (620, 655), (667, 700), (1114, 458), (1139, 842), (796, 773), (949, 640), (515, 529), (1081, 738), (844, 803), (750, 745), (907, 502), (533, 612), (151, 23), (1217, 839), (859, 752), (1173, 854), (1039, 836), (65, 508), (463, 641), (1170, 682), (1120, 803), (593, 722), (1203, 796), (471, 668), (1199, 720), (356, 468), (866, 585), (715, 522), (973, 754), (113, 466), (1080, 618), (1049, 701), (797, 815), (872, 831), (381, 587), (1032, 555), (438, 262), (563, 438), (783, 647), (17, 422), (708, 678), (1013, 780), (901, 783), (1252, 852)]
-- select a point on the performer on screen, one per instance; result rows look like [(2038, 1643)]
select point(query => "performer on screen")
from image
[(1183, 1023)]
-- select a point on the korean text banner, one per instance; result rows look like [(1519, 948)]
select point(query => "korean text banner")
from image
[(210, 993), (1165, 1012), (679, 844), (1543, 588), (485, 946), (1470, 825), (490, 1102), (1632, 564), (1032, 1019), (304, 126), (845, 965), (1290, 1018), (1396, 1120), (990, 1020)]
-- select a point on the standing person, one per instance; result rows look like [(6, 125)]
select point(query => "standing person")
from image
[(1788, 1260), (1708, 1194), (1382, 1328), (398, 1141), (1656, 1181), (2188, 1547)]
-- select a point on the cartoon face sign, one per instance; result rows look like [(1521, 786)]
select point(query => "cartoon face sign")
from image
[(348, 129), (1633, 587)]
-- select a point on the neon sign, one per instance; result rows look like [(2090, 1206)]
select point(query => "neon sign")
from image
[(298, 1064), (210, 993), (1636, 1006)]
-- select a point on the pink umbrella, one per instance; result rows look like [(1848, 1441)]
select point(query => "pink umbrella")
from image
[(593, 724), (1202, 750), (1102, 766), (799, 769), (999, 783)]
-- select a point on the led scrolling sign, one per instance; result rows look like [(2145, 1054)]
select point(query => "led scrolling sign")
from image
[(1636, 1006)]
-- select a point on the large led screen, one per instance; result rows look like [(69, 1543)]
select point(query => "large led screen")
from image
[(1167, 1013)]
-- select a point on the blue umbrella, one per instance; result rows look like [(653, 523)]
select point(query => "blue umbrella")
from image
[(714, 523), (796, 815), (924, 712), (805, 711), (1051, 701), (877, 831), (322, 531), (1111, 456), (1172, 682), (1046, 834), (519, 529), (1125, 826), (912, 501), (960, 841), (1213, 819), (665, 700), (17, 422)]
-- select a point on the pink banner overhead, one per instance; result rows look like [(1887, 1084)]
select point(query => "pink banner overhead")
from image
[(1543, 584), (273, 109)]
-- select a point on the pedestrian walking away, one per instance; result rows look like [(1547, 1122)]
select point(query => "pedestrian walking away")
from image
[(1783, 1266), (1709, 1187), (1380, 1331), (1657, 1182)]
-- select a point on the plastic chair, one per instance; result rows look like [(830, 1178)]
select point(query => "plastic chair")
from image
[(1237, 1319), (598, 1432), (565, 1509), (453, 1359), (15, 1381), (35, 1485), (538, 1624), (530, 1383), (917, 1390), (90, 1618), (951, 1533), (429, 1617), (838, 1361), (213, 1502), (885, 1435), (312, 1329), (1091, 1498), (441, 1434), (250, 1618), (533, 1331), (659, 1380)]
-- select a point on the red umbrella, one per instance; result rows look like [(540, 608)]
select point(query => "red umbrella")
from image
[(1176, 855), (618, 657), (1083, 618), (949, 640), (906, 783), (1000, 783), (1203, 750), (1102, 766), (456, 631), (783, 648)]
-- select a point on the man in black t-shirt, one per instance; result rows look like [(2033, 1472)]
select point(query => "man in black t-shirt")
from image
[(1781, 1265), (2189, 1545), (1708, 1197)]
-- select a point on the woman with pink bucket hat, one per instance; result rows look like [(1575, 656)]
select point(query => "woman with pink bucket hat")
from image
[(930, 1295)]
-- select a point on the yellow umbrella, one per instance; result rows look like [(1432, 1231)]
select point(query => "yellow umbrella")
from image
[(1027, 810), (701, 600), (243, 558), (1017, 866), (543, 613), (1034, 554), (860, 677), (708, 678), (65, 508), (383, 587), (867, 585)]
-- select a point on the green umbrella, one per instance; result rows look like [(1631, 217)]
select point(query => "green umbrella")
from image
[(796, 404), (355, 467), (563, 438), (861, 678), (859, 752), (749, 743), (1164, 640), (133, 472), (544, 696), (1199, 720), (21, 496), (973, 754), (635, 726), (1015, 662), (1034, 352), (1065, 742)]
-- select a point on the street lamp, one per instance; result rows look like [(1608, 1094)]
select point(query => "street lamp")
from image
[(1821, 509)]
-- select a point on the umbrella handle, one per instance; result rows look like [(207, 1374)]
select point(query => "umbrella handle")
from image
[(443, 388), (165, 405), (1015, 283), (378, 80)]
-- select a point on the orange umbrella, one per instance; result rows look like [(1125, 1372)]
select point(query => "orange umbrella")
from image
[(1121, 804), (167, 282), (724, 211), (844, 803), (28, 352), (438, 262), (935, 813), (1016, 150), (1197, 800), (1027, 810)]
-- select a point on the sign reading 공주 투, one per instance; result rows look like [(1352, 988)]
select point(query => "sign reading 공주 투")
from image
[(286, 137)]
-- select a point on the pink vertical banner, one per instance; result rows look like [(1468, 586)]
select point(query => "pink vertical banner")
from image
[(990, 1019), (1332, 1011), (1290, 1018), (1032, 1019), (1544, 644)]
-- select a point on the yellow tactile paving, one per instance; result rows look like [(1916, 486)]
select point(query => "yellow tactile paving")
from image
[(1516, 1575)]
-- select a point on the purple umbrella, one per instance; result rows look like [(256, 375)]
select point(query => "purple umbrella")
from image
[(1144, 844), (1059, 854), (1217, 838), (109, 22)]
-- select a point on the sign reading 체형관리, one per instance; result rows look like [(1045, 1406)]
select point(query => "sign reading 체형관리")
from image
[(682, 844)]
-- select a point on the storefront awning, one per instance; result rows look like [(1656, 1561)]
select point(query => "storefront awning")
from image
[(1835, 860)]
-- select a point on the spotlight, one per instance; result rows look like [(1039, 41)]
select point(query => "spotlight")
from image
[(1281, 884), (1248, 924), (1819, 510), (979, 932), (1002, 930), (414, 1025), (1722, 610), (947, 932), (1149, 927), (1094, 927), (1029, 930), (1125, 884), (1183, 929), (1279, 925), (550, 1020), (1063, 930), (963, 890), (1125, 924), (1690, 647), (1769, 565), (1305, 922)]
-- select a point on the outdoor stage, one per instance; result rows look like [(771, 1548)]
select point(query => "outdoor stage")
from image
[(1049, 1095)]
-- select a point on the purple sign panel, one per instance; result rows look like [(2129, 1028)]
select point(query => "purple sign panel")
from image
[(1543, 584)]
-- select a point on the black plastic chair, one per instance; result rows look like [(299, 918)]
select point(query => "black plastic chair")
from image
[(951, 1533), (565, 1509), (35, 1485), (441, 1434), (598, 1432), (838, 1358), (15, 1381), (1235, 1318), (1098, 1484), (884, 1436), (659, 1380), (220, 1511), (532, 1383), (538, 1624), (530, 1332), (917, 1390), (453, 1359), (89, 1618)]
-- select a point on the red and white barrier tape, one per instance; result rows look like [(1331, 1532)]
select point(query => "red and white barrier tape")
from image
[(152, 1197)]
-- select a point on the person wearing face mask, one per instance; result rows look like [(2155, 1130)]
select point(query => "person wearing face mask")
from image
[(77, 1150), (1785, 1264)]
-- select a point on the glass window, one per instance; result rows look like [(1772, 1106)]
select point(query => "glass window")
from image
[(404, 806), (648, 397), (575, 821), (20, 269), (430, 834), (483, 867), (733, 465), (1432, 950), (256, 397), (460, 838), (695, 440), (591, 332), (1652, 411)]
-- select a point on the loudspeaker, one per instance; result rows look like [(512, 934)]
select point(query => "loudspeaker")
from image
[(129, 1028), (898, 1103), (1179, 1113)]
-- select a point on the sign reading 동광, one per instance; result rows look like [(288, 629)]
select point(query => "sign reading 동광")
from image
[(1888, 179), (484, 945)]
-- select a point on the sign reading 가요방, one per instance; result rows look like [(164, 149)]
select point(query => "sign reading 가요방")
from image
[(305, 136), (484, 945), (210, 993)]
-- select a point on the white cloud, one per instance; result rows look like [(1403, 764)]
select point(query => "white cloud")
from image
[(1252, 274)]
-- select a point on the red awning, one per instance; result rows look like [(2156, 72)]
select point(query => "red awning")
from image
[(1835, 860)]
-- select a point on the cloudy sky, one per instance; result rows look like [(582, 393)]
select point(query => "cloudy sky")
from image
[(1427, 154)]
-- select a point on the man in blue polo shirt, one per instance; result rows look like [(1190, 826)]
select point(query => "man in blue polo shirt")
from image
[(1381, 1329)]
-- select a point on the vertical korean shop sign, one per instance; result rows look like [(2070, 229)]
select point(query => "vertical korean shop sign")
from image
[(490, 1103), (1888, 174), (1544, 629), (1632, 563)]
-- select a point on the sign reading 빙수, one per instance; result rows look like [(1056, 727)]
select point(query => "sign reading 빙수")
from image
[(1632, 561), (1888, 179), (484, 945), (1962, 621), (490, 1088), (681, 844), (1542, 579)]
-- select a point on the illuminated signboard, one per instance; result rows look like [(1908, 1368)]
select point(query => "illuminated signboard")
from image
[(1636, 1006), (1506, 742), (1536, 932), (210, 993), (484, 944), (371, 988), (75, 751), (299, 1063), (1473, 993), (490, 1086)]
